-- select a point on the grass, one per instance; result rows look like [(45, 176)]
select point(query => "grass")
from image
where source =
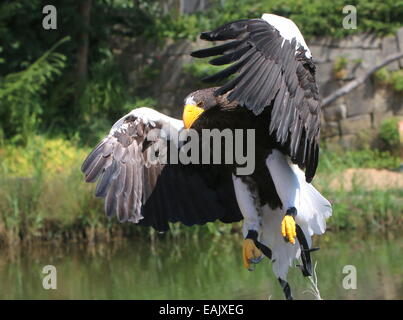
[(357, 207), (44, 197), (336, 161)]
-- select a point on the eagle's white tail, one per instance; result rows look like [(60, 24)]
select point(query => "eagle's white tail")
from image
[(312, 211)]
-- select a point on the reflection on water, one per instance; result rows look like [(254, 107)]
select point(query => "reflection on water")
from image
[(197, 269)]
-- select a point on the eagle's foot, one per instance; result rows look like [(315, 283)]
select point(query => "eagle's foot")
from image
[(288, 226), (251, 254)]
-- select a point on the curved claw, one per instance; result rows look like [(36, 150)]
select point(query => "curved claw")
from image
[(251, 254), (288, 228)]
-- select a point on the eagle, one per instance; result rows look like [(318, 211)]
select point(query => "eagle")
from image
[(268, 86)]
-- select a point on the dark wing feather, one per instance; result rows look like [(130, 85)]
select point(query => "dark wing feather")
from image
[(271, 72), (153, 194)]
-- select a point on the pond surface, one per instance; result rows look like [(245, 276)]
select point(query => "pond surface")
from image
[(207, 268)]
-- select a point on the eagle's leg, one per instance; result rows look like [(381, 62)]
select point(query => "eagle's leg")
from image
[(288, 189), (249, 205), (288, 225), (286, 289)]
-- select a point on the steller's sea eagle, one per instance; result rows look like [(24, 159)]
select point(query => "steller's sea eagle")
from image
[(269, 87)]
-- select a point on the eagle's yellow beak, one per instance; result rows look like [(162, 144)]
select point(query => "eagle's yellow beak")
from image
[(191, 113)]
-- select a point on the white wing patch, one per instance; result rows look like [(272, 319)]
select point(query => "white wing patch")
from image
[(149, 115), (288, 30)]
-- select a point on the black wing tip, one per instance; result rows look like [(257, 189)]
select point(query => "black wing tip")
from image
[(206, 36), (196, 54), (202, 53), (209, 79), (216, 62)]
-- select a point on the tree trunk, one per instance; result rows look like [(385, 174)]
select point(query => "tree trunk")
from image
[(84, 11)]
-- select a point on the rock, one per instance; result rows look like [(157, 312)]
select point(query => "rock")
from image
[(399, 36), (381, 101), (331, 140), (320, 41), (351, 54), (350, 42), (354, 125), (370, 57), (368, 41), (349, 141), (389, 46), (330, 129), (332, 144), (335, 112), (358, 41), (329, 87), (396, 103), (354, 59), (360, 100), (378, 116), (324, 73), (320, 54)]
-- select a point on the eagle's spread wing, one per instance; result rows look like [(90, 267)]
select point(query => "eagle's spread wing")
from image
[(139, 189), (274, 69)]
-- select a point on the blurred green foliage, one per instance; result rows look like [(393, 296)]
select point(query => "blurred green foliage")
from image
[(21, 92), (391, 79), (314, 17), (389, 133), (39, 87)]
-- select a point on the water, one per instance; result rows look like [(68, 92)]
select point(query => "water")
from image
[(197, 269)]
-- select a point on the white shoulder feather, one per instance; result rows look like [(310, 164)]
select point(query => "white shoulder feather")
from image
[(288, 30)]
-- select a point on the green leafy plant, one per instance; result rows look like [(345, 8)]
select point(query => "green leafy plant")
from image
[(392, 79), (339, 67), (397, 80), (315, 18), (20, 94), (389, 133)]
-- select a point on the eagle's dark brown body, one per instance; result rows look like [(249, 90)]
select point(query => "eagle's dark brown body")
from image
[(221, 114)]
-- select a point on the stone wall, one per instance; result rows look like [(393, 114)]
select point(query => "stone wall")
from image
[(160, 71), (359, 114)]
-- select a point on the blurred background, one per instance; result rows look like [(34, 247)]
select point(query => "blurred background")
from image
[(61, 90)]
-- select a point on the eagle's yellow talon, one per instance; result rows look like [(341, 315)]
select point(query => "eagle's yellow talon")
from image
[(288, 228), (250, 253)]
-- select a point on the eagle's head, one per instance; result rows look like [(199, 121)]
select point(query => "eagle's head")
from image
[(196, 103)]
